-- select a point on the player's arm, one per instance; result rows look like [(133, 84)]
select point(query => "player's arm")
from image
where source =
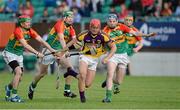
[(138, 33), (39, 39), (59, 28), (79, 40), (73, 41), (61, 40), (73, 37), (139, 46), (113, 48), (28, 47)]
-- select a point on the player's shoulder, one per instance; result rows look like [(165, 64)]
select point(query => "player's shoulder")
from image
[(83, 33), (105, 28), (31, 30), (121, 24), (59, 21), (134, 28), (104, 34), (17, 30)]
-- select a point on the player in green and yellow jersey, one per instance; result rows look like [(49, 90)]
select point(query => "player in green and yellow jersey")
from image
[(118, 62), (13, 54), (134, 42), (61, 36)]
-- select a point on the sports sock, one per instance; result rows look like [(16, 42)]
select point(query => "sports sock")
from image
[(81, 94), (10, 86), (109, 94), (14, 92), (67, 87), (33, 85)]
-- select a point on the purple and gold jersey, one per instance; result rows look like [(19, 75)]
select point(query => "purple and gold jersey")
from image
[(98, 41)]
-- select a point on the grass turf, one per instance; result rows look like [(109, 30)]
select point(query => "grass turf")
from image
[(136, 92)]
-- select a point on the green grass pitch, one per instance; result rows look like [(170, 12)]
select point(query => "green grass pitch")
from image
[(136, 92)]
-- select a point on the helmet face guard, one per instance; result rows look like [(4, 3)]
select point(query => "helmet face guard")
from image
[(67, 15), (112, 20)]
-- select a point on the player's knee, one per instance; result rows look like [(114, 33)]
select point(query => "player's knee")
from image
[(43, 71), (18, 71), (82, 77), (42, 75)]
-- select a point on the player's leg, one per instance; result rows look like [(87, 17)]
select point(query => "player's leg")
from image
[(43, 66), (8, 89), (68, 80), (103, 84), (111, 67), (91, 72), (89, 78), (42, 72), (119, 76), (120, 72), (88, 69), (83, 67), (70, 69), (16, 80), (16, 64), (67, 89)]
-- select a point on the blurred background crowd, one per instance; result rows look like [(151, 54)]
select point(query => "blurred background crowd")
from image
[(50, 10)]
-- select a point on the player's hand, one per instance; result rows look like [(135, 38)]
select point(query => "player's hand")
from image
[(59, 54), (67, 54), (65, 49), (135, 50), (53, 51), (152, 34), (40, 55), (105, 60)]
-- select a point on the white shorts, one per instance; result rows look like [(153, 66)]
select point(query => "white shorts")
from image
[(91, 62), (46, 60), (121, 60), (9, 57)]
